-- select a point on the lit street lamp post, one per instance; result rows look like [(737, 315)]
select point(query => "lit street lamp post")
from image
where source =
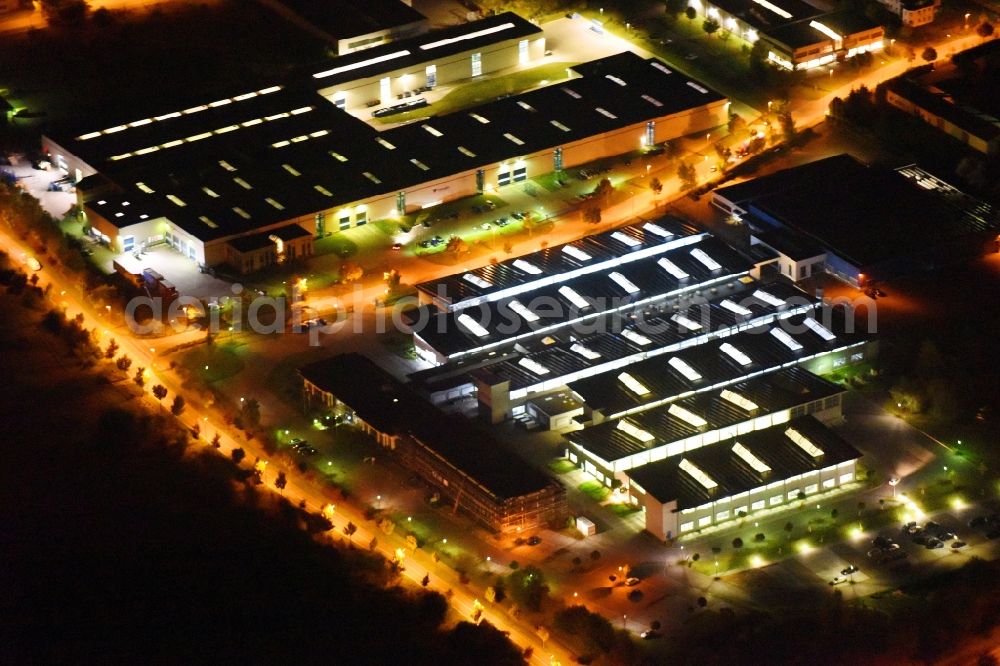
[(894, 481)]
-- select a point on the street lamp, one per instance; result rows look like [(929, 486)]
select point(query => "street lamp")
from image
[(894, 481)]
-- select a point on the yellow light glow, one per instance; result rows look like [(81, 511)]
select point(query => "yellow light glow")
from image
[(756, 561), (958, 503), (804, 547)]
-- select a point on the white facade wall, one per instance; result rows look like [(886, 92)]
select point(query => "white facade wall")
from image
[(502, 55), (665, 522)]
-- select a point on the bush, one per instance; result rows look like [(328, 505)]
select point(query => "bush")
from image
[(759, 537), (737, 543)]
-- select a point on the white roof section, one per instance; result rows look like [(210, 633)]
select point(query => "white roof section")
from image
[(749, 458), (735, 308), (683, 367), (819, 329), (705, 260), (533, 366), (698, 474), (634, 431), (785, 339), (633, 384), (740, 401), (474, 326), (735, 354), (624, 282), (803, 442), (770, 299), (687, 416), (584, 351)]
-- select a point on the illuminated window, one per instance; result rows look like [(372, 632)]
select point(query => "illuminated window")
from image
[(290, 169), (176, 200), (625, 238), (473, 325), (698, 474), (585, 352), (735, 308), (656, 230), (636, 337), (770, 299), (735, 354), (573, 297), (606, 113), (803, 443), (632, 430), (576, 253), (512, 138), (786, 339), (633, 384), (559, 125), (521, 309), (533, 366), (672, 268), (476, 280), (749, 458), (623, 282), (242, 213), (819, 329), (705, 260), (529, 268), (738, 400), (684, 368), (432, 131), (687, 416), (686, 322)]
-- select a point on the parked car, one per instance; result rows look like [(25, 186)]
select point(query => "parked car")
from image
[(502, 221), (632, 581), (933, 543), (849, 570), (958, 544), (397, 247), (837, 580), (34, 264), (650, 634)]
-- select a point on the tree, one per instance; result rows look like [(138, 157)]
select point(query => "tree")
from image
[(603, 190), (349, 530), (160, 392), (457, 245), (984, 29), (350, 272), (789, 527), (280, 482), (737, 543), (592, 214), (178, 405), (929, 54), (527, 587), (426, 580), (216, 442), (687, 175), (690, 13), (759, 537), (595, 555), (140, 377), (655, 625), (655, 185), (787, 123), (112, 349), (674, 7), (702, 602), (861, 507), (65, 12), (238, 455), (123, 363), (710, 26), (577, 562), (250, 412)]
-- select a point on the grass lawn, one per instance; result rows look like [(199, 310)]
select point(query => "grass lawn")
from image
[(222, 361), (561, 465), (399, 344), (594, 490), (485, 90), (336, 243), (622, 509)]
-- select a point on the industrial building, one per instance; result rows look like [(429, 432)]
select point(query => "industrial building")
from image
[(859, 222), (466, 467), (957, 97), (913, 13), (293, 155), (354, 26), (797, 35), (743, 476)]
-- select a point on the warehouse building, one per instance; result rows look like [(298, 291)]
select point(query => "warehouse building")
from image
[(611, 449), (354, 26), (895, 221), (797, 34), (743, 476), (467, 468), (200, 177)]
